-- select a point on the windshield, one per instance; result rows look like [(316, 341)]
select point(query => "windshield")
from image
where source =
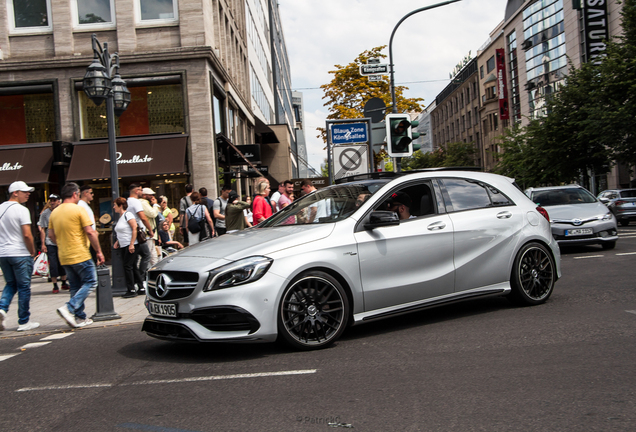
[(566, 196), (327, 205), (628, 193)]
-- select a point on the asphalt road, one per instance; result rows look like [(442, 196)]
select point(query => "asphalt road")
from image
[(567, 365)]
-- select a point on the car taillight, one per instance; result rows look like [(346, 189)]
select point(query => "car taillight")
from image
[(619, 202), (544, 213)]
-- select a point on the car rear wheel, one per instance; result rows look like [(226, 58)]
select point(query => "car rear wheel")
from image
[(313, 311), (533, 275)]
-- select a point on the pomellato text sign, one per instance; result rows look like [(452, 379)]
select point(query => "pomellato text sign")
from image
[(136, 159), (6, 166)]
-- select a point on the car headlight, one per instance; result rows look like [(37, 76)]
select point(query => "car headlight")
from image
[(606, 217), (238, 273)]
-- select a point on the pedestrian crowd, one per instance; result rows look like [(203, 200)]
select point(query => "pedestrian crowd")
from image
[(143, 228)]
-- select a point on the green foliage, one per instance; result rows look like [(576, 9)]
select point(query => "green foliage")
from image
[(348, 91), (447, 155)]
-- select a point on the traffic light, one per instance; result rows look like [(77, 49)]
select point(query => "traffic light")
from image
[(399, 136)]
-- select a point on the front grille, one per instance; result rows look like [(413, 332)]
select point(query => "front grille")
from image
[(171, 331), (175, 284), (224, 319)]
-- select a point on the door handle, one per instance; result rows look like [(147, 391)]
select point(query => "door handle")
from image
[(504, 215), (436, 226)]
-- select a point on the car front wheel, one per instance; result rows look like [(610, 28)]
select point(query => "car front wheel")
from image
[(313, 311), (533, 275)]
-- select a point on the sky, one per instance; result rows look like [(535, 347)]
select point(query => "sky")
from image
[(426, 47)]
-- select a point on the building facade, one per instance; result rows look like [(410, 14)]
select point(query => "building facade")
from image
[(190, 68)]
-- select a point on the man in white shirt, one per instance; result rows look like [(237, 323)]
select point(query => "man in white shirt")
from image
[(135, 207), (86, 196), (17, 250), (276, 196)]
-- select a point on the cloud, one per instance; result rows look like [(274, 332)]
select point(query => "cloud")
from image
[(426, 46)]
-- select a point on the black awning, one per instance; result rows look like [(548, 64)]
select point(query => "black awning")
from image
[(135, 157), (29, 164)]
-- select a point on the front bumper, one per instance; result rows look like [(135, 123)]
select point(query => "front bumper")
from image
[(245, 313), (602, 232)]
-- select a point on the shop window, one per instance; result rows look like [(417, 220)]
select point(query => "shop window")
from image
[(152, 110), (93, 13), (27, 118), (156, 11), (32, 16)]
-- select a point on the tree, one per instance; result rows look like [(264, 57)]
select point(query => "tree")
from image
[(348, 91), (590, 121), (447, 155)]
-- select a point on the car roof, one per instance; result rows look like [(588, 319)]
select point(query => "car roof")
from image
[(472, 172), (555, 188)]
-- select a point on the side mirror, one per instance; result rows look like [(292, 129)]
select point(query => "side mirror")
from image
[(382, 218), (604, 200)]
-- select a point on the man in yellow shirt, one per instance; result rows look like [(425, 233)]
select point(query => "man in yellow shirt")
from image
[(71, 229)]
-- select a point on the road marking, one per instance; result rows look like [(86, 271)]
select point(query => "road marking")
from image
[(7, 356), (632, 312), (171, 381), (589, 256), (150, 428), (34, 345), (626, 253), (224, 377), (57, 336), (65, 387)]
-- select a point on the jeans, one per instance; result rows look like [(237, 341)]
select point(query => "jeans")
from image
[(17, 276), (82, 277), (144, 255)]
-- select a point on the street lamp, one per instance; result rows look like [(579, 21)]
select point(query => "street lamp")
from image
[(102, 81), (397, 165)]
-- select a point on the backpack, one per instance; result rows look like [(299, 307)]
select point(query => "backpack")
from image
[(193, 222)]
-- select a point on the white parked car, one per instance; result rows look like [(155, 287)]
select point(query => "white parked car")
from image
[(577, 217), (376, 246)]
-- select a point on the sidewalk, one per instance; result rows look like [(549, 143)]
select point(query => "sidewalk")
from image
[(44, 304)]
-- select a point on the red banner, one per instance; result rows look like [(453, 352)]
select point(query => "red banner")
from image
[(502, 89)]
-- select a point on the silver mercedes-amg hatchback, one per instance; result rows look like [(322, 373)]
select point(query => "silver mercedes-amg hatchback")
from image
[(373, 247)]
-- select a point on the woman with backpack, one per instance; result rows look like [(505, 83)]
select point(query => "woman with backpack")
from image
[(195, 217), (126, 230)]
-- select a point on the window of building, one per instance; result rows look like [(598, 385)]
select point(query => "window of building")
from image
[(152, 110), (490, 64), (156, 11), (27, 118), (481, 72), (33, 16), (94, 13), (218, 105)]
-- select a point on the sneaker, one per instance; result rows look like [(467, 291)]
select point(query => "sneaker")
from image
[(84, 322), (3, 316), (129, 294), (66, 316), (56, 291), (65, 286), (141, 291), (28, 326)]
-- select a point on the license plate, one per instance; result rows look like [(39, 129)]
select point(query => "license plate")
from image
[(579, 231), (163, 309)]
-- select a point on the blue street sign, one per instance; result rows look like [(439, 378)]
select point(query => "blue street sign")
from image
[(349, 133)]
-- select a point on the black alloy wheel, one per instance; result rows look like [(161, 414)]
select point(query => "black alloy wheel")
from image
[(313, 312), (533, 275)]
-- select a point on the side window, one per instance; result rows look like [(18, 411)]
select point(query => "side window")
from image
[(411, 201), (466, 195), (497, 198)]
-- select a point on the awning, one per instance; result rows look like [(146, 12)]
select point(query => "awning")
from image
[(135, 157), (29, 164)]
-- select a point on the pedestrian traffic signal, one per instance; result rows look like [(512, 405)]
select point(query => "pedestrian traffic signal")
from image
[(399, 136)]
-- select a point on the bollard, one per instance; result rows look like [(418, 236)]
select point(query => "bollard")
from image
[(105, 309)]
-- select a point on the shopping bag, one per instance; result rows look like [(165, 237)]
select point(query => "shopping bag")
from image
[(41, 265)]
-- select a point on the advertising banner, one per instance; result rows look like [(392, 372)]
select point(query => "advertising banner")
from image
[(502, 90)]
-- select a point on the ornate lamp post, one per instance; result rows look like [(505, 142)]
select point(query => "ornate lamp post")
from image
[(102, 81)]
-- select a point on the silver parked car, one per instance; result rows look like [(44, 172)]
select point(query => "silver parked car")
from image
[(377, 246), (578, 218), (621, 202)]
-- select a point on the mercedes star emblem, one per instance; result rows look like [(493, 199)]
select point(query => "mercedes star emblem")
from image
[(163, 282)]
